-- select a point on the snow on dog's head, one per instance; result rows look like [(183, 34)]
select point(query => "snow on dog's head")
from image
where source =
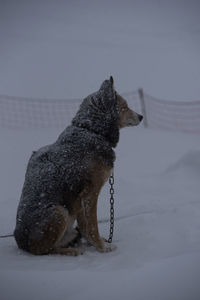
[(105, 112)]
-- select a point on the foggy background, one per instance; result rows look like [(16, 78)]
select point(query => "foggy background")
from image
[(65, 49)]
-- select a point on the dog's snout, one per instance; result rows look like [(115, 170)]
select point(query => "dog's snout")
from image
[(140, 117)]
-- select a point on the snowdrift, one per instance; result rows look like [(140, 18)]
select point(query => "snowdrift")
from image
[(188, 164), (157, 224)]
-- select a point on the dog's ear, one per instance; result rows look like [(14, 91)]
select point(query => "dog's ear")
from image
[(112, 81)]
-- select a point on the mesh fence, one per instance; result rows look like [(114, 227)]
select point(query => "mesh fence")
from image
[(36, 113), (172, 115), (19, 113)]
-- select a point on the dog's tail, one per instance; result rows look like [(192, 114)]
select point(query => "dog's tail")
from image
[(6, 236)]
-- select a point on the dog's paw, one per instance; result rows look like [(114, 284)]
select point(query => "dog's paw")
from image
[(74, 252), (66, 251), (107, 247)]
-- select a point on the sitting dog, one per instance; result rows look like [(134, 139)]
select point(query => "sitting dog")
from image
[(63, 180)]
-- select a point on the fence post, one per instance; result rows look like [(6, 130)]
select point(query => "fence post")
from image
[(143, 107)]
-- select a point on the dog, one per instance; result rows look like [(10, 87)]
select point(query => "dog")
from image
[(63, 180)]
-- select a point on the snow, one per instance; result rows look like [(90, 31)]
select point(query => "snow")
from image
[(157, 224), (65, 49)]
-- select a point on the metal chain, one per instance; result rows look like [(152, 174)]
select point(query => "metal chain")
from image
[(111, 182)]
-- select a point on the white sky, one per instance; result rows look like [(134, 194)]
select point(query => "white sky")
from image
[(65, 49)]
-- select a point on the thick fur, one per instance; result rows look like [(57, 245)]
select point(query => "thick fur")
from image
[(63, 180)]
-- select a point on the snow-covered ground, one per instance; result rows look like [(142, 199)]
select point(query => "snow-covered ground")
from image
[(157, 227)]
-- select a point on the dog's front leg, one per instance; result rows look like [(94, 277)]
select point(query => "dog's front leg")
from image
[(87, 222), (88, 225)]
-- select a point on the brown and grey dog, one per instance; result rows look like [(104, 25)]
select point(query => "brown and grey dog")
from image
[(63, 180)]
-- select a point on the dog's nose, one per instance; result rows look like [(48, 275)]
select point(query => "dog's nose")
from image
[(140, 117)]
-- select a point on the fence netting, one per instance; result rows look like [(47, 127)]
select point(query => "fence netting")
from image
[(21, 112), (172, 115)]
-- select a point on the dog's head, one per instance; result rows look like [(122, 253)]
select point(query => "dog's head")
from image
[(126, 116), (105, 112)]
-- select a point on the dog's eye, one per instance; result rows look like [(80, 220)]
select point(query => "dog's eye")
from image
[(124, 109)]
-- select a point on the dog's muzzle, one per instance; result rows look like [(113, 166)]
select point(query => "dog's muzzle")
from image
[(134, 120)]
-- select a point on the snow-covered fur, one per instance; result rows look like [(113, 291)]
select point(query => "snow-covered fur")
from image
[(63, 180), (98, 114), (57, 173)]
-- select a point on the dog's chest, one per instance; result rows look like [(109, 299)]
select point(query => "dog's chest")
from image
[(99, 174)]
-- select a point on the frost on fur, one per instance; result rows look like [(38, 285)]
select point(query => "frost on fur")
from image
[(57, 173)]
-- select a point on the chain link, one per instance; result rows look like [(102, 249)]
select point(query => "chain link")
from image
[(111, 182)]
